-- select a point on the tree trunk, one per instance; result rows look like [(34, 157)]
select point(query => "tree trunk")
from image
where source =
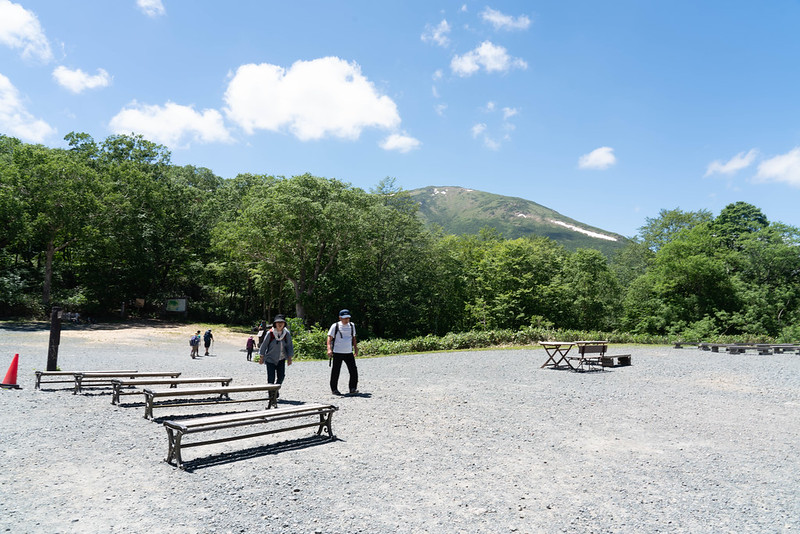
[(48, 272)]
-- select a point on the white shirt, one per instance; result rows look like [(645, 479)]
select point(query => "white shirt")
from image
[(343, 339)]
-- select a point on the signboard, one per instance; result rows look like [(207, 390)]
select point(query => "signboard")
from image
[(176, 305)]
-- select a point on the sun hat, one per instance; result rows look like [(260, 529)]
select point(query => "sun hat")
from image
[(279, 319), (345, 314)]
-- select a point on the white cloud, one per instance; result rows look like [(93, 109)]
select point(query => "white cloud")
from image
[(490, 143), (437, 34), (313, 99), (20, 28), (440, 109), (509, 112), (463, 8), (599, 158), (478, 129), (15, 120), (401, 142), (501, 21), (172, 125), (490, 106), (736, 163), (491, 57), (438, 74), (784, 168), (151, 8), (78, 81)]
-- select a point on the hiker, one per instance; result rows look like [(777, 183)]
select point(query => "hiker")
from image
[(208, 337), (342, 347), (277, 350), (251, 343), (194, 342), (262, 330)]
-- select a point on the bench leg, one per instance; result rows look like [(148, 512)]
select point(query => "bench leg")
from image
[(38, 380), (325, 424), (78, 379), (148, 407), (174, 448), (273, 400), (115, 394)]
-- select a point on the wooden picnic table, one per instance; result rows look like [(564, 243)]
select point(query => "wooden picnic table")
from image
[(556, 353)]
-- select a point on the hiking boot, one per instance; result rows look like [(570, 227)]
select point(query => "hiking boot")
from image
[(335, 392), (353, 392)]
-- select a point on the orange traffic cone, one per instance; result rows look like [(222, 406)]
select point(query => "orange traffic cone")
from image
[(10, 381)]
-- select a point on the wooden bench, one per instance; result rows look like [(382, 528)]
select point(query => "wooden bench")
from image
[(71, 374), (588, 353), (104, 378), (151, 396), (617, 360), (118, 384), (681, 344), (176, 430)]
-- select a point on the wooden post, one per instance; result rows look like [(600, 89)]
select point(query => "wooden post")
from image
[(55, 339)]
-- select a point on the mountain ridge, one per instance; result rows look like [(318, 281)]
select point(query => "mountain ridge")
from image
[(459, 210)]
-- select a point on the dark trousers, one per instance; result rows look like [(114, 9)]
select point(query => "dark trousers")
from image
[(350, 360), (272, 368), (249, 355)]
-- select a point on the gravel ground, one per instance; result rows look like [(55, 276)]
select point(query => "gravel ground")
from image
[(682, 441)]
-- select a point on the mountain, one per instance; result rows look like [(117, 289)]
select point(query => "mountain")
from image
[(465, 211)]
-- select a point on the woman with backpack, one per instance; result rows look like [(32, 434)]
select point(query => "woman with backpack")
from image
[(194, 342), (277, 350)]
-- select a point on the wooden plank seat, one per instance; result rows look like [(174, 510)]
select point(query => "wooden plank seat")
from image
[(104, 378), (119, 384), (781, 348), (71, 374), (681, 344), (180, 397), (176, 430)]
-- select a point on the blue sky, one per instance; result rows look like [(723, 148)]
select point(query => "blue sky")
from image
[(607, 112)]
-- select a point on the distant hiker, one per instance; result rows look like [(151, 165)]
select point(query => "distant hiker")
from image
[(251, 343), (208, 337), (194, 342), (342, 347), (277, 350), (262, 330)]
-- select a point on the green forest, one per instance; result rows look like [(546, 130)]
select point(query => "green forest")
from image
[(101, 224)]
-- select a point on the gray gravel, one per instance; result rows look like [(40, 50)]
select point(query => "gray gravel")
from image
[(682, 441)]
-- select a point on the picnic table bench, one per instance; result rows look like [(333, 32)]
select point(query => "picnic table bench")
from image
[(176, 430), (71, 374), (588, 353), (165, 396), (119, 383), (104, 378)]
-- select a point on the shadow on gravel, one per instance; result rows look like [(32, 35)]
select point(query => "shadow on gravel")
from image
[(255, 452), (38, 326)]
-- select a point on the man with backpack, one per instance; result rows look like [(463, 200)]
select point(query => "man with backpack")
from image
[(194, 342), (207, 339), (342, 347)]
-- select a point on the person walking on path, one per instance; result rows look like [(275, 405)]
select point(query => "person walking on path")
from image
[(251, 343), (343, 347), (195, 344), (277, 350), (208, 338)]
